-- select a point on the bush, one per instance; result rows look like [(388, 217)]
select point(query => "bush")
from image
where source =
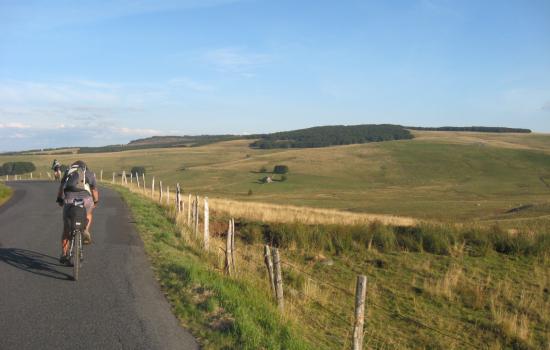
[(16, 168), (280, 169), (140, 170), (263, 169), (283, 178), (249, 192)]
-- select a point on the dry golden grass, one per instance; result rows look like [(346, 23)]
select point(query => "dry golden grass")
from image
[(274, 213)]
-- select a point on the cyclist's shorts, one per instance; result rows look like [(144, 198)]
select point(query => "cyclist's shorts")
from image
[(88, 205)]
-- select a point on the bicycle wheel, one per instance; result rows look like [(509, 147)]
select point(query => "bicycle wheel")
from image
[(76, 255)]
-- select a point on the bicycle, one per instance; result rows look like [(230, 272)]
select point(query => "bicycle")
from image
[(77, 215)]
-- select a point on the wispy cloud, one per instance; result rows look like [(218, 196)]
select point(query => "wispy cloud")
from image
[(191, 84), (20, 15), (236, 60), (13, 125)]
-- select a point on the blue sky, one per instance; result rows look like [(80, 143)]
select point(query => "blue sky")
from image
[(102, 72)]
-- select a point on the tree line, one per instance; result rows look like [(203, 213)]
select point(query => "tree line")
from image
[(324, 136), (498, 129)]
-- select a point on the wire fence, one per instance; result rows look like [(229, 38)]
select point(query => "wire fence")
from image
[(340, 333)]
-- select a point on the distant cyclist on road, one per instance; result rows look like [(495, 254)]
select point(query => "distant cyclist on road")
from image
[(56, 167), (78, 183)]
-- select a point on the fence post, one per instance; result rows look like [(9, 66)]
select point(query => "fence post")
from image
[(113, 177), (168, 195), (278, 279), (228, 253), (178, 208), (197, 215), (100, 175), (233, 246), (144, 188), (153, 188), (122, 177), (269, 264), (160, 194), (31, 176), (137, 180), (131, 178), (360, 295), (189, 211), (206, 233)]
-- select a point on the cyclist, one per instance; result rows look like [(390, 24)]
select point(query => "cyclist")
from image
[(56, 167), (78, 182)]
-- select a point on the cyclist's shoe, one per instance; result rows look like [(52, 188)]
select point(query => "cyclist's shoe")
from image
[(86, 237), (64, 259)]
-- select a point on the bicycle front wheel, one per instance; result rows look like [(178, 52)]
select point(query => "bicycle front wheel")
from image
[(76, 254)]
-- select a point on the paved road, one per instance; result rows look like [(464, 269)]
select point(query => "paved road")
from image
[(116, 303)]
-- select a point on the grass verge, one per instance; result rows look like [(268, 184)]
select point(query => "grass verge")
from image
[(222, 313), (5, 193)]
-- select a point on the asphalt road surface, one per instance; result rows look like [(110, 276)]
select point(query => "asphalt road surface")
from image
[(115, 304)]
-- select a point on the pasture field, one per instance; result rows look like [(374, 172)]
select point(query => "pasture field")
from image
[(445, 176), (486, 290)]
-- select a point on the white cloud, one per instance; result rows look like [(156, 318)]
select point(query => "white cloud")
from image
[(231, 59), (13, 125), (191, 84)]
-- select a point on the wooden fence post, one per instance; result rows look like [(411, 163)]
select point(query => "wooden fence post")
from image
[(178, 194), (100, 175), (360, 295), (160, 194), (137, 180), (233, 246), (189, 211), (131, 178), (31, 176), (206, 233), (113, 177), (144, 188), (228, 254), (168, 195), (278, 279), (197, 215), (269, 264), (122, 177), (153, 188)]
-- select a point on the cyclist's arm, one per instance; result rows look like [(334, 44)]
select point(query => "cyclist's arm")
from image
[(95, 195)]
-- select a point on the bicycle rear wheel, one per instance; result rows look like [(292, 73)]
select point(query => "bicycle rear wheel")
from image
[(76, 255)]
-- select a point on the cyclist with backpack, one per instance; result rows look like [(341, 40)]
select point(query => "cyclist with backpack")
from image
[(56, 167), (78, 183)]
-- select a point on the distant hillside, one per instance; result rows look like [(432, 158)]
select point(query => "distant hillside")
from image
[(496, 129), (324, 136), (180, 141)]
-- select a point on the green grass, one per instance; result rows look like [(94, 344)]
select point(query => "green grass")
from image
[(5, 193), (223, 313), (490, 292), (439, 176)]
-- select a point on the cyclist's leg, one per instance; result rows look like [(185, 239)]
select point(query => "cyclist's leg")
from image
[(65, 236), (89, 205)]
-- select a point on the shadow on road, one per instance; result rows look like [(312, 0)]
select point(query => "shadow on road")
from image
[(33, 262)]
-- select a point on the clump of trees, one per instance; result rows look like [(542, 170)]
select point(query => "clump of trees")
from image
[(16, 168), (324, 136), (497, 129), (280, 169), (140, 170)]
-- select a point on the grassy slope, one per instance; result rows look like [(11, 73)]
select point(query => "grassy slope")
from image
[(5, 193), (494, 300), (439, 175), (222, 313)]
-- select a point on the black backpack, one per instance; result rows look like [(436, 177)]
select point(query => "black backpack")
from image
[(75, 179)]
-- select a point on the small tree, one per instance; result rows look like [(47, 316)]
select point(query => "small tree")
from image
[(140, 170), (250, 192), (16, 168), (280, 169)]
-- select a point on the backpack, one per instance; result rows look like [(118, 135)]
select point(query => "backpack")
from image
[(75, 180)]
